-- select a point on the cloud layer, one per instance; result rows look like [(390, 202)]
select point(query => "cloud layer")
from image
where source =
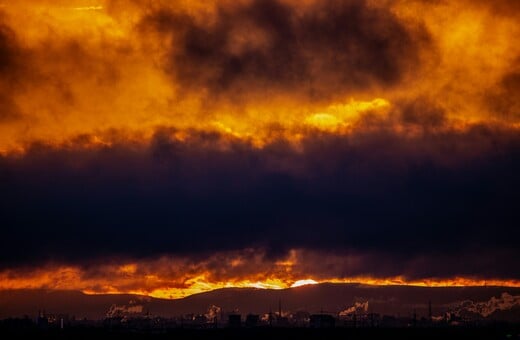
[(320, 50), (381, 137), (441, 194)]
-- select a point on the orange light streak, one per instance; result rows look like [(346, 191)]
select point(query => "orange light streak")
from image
[(161, 286)]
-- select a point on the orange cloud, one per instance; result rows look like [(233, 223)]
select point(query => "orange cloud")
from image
[(92, 67), (177, 277)]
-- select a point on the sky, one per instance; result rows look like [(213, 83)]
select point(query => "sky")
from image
[(174, 147)]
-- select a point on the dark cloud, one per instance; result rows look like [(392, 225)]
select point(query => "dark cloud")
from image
[(504, 99), (443, 195), (422, 112), (470, 262), (8, 49), (321, 50)]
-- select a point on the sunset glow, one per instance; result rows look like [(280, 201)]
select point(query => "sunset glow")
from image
[(177, 278), (72, 279)]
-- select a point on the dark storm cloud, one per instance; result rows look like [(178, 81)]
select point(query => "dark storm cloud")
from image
[(504, 99), (319, 50), (5, 48), (422, 112), (468, 262), (446, 195)]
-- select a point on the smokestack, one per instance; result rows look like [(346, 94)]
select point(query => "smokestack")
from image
[(430, 310), (280, 308)]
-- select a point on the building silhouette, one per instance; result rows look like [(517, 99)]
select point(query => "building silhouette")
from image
[(252, 320), (322, 321), (234, 321)]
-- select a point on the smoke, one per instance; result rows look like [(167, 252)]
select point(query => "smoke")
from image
[(132, 308), (213, 312), (486, 308), (357, 308)]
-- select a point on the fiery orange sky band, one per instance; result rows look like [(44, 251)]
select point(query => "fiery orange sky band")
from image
[(133, 278), (92, 69), (92, 74)]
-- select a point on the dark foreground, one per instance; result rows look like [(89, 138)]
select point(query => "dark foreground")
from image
[(271, 333)]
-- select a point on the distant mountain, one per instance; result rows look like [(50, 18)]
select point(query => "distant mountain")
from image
[(490, 302)]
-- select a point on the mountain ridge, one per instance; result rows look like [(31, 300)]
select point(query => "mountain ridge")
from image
[(329, 297)]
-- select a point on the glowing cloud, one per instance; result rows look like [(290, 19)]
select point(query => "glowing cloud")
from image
[(305, 282)]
